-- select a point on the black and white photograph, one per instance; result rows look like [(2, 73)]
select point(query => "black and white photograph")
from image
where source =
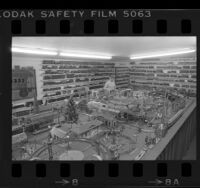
[(104, 98)]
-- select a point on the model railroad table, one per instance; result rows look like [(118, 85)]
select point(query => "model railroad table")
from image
[(178, 138)]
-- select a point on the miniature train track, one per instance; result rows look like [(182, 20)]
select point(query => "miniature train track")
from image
[(62, 141)]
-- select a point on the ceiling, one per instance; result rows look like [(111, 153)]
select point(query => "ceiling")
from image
[(115, 46)]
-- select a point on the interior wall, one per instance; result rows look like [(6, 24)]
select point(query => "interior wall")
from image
[(36, 61)]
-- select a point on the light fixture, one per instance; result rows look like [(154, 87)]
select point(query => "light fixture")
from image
[(160, 54), (79, 55), (35, 51)]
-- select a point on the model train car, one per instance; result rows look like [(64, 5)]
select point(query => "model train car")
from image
[(173, 119)]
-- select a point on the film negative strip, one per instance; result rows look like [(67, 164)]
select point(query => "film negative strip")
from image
[(96, 98)]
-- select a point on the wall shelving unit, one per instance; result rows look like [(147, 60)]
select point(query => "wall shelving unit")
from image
[(179, 73), (62, 78), (122, 77)]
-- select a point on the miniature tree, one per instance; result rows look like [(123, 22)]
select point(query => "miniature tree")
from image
[(71, 114)]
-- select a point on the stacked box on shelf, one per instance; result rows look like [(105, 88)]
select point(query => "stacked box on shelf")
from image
[(63, 78), (122, 77), (178, 73)]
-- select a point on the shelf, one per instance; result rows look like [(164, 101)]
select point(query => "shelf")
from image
[(153, 74)]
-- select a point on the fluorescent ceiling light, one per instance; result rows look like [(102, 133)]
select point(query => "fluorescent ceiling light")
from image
[(35, 51), (69, 54), (160, 54)]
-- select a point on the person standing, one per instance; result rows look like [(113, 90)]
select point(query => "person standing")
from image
[(110, 85)]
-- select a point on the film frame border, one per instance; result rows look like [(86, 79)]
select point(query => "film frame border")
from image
[(175, 23)]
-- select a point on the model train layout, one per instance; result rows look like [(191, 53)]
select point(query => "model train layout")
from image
[(117, 124)]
